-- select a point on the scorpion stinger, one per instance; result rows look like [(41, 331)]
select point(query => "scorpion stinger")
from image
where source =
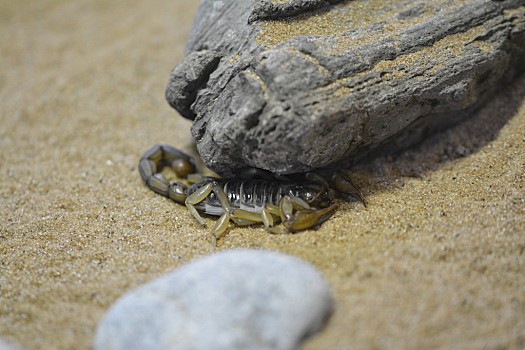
[(299, 204)]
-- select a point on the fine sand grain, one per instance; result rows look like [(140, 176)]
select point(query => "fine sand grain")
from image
[(436, 260)]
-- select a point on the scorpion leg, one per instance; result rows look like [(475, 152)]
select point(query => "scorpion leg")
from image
[(195, 198), (245, 217), (273, 210), (240, 217), (200, 195), (285, 209), (299, 203), (220, 227), (267, 218)]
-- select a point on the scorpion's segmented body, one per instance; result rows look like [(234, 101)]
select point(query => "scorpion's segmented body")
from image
[(299, 204), (252, 195)]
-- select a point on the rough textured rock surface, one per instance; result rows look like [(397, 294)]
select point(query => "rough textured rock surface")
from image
[(240, 299), (290, 86)]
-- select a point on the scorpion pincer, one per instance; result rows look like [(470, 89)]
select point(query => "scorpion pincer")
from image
[(254, 197)]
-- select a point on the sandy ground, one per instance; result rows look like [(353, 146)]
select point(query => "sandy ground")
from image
[(436, 260)]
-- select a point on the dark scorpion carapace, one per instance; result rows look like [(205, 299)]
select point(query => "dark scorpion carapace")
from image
[(299, 202)]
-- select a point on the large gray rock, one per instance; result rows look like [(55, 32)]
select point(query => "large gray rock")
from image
[(240, 299), (290, 86)]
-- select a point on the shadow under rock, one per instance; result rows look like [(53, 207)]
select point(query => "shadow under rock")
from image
[(441, 147)]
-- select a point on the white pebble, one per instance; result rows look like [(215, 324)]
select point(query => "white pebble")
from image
[(5, 345), (239, 299)]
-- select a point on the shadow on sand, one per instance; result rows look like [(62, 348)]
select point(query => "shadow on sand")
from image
[(441, 148)]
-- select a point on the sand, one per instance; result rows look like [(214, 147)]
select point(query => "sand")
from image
[(436, 259)]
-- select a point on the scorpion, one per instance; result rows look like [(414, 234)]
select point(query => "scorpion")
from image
[(299, 202)]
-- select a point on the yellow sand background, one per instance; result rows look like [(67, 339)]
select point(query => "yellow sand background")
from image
[(436, 260)]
